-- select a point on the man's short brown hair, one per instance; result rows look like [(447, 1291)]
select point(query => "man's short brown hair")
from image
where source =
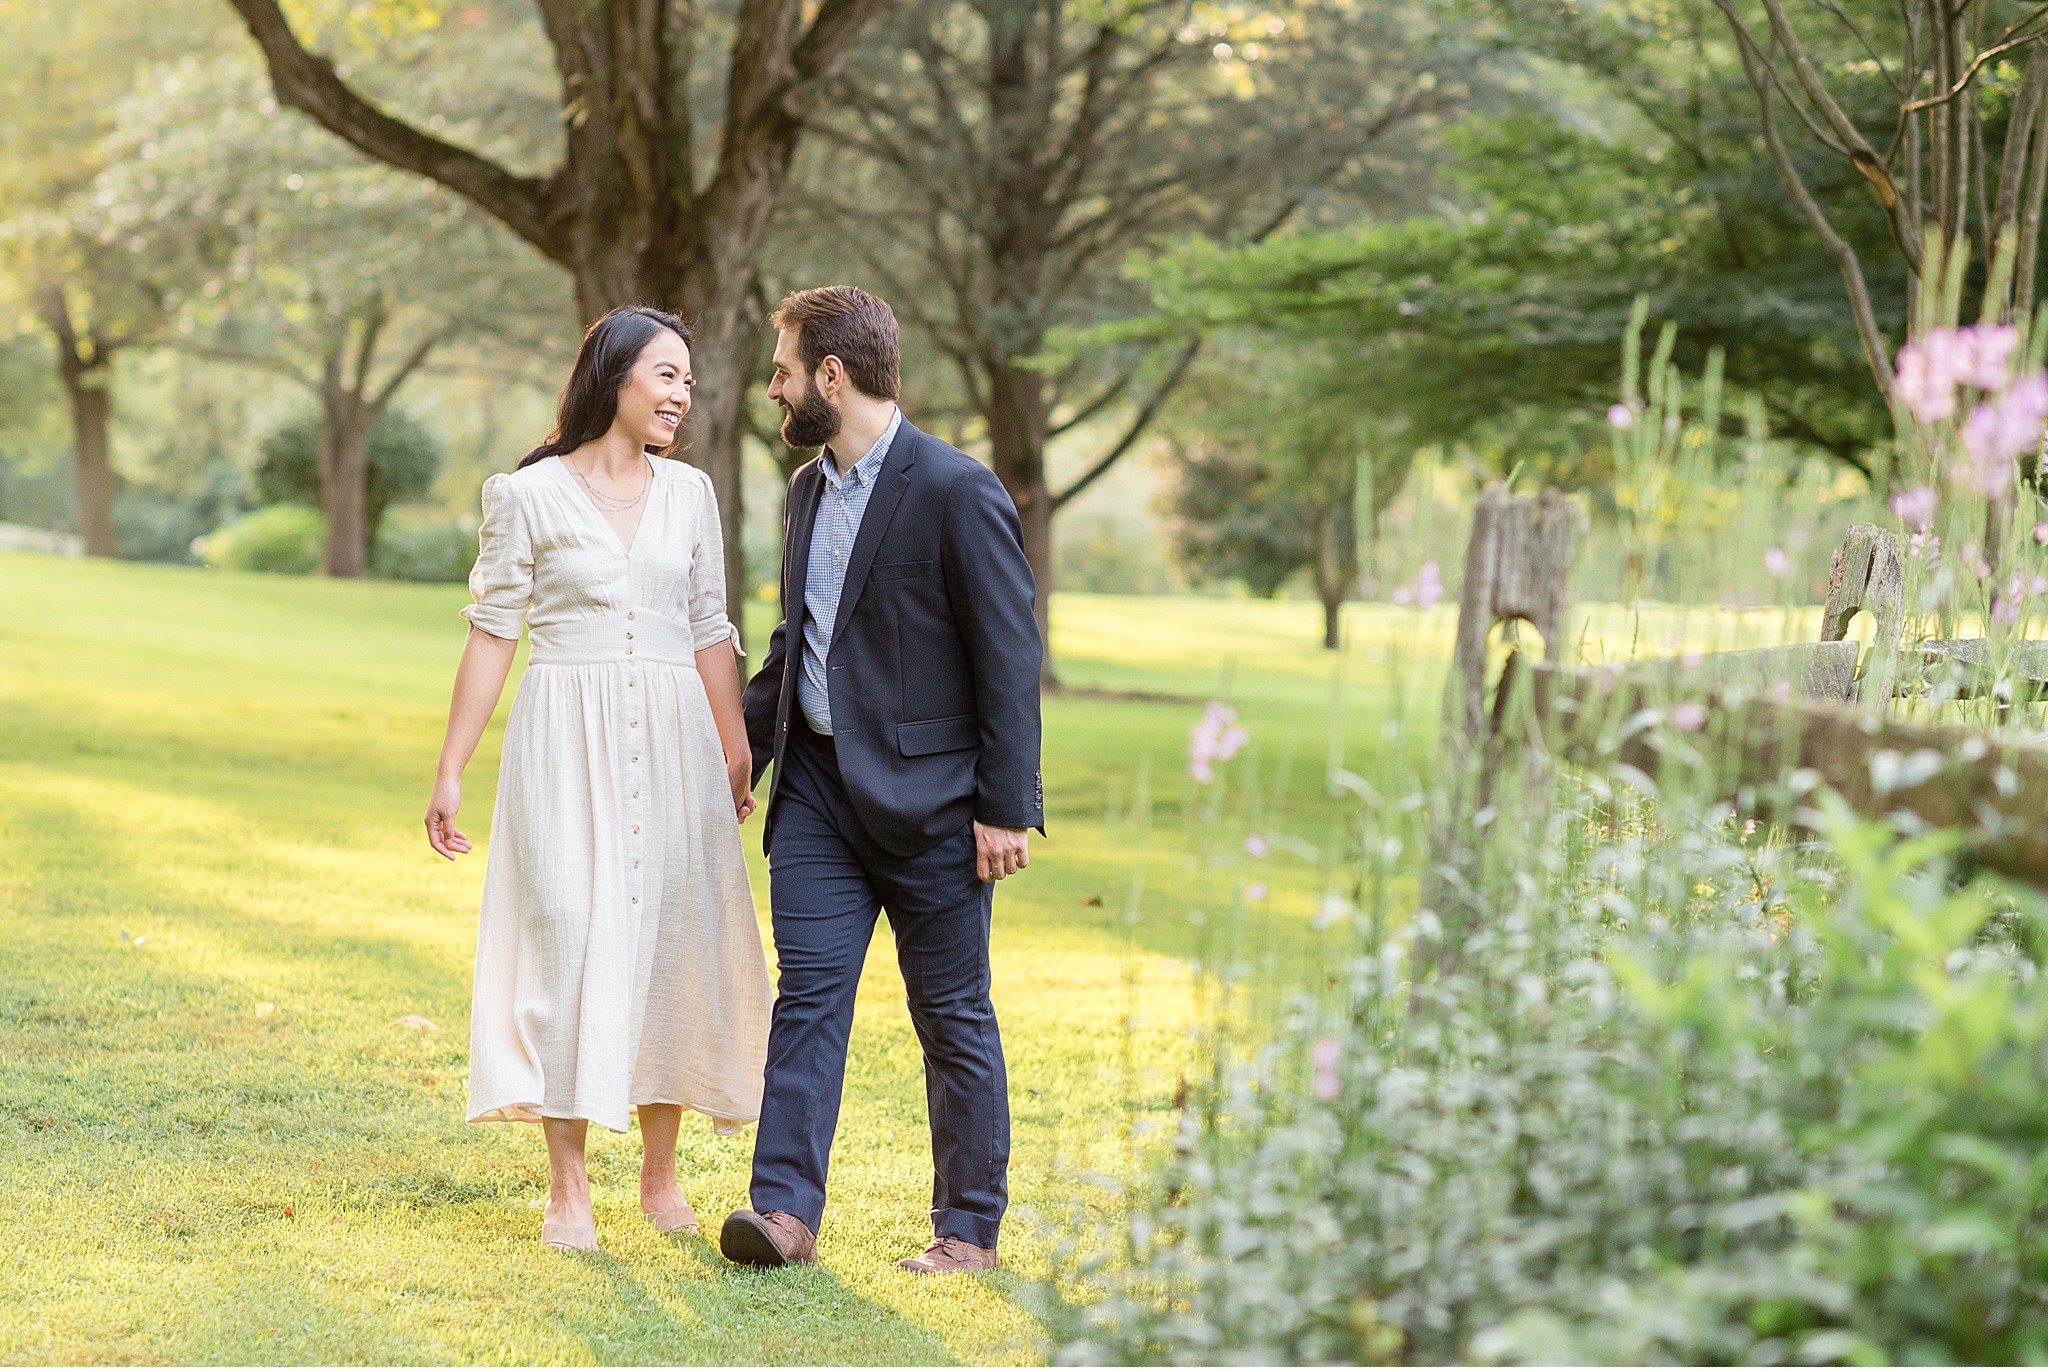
[(846, 322)]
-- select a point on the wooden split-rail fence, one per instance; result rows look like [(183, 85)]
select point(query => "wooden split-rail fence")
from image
[(1781, 721)]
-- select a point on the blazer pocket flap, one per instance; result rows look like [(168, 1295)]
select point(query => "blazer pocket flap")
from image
[(938, 735), (900, 570)]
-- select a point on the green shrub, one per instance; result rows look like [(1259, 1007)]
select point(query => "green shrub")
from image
[(1678, 1095), (425, 548), (405, 456), (283, 538)]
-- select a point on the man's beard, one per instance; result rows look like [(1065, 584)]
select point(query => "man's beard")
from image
[(812, 421)]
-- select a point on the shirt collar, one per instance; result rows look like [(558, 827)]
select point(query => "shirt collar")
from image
[(868, 467)]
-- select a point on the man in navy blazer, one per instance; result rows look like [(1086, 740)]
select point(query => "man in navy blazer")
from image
[(899, 706)]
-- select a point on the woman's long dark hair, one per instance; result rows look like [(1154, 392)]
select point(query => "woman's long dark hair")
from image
[(590, 401)]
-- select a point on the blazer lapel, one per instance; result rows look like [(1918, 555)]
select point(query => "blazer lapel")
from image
[(890, 484), (803, 516)]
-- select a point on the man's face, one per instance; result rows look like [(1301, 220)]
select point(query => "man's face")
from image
[(809, 419)]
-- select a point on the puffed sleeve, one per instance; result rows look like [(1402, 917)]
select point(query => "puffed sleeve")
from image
[(708, 624), (501, 582)]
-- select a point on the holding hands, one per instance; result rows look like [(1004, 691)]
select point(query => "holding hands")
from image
[(739, 773)]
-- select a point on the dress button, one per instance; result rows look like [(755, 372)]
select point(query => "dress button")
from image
[(629, 637), (636, 865), (634, 724), (629, 651), (636, 898), (636, 794), (631, 614), (636, 827)]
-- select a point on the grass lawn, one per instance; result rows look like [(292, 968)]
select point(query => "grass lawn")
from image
[(216, 902)]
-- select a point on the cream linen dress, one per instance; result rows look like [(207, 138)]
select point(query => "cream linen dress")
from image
[(618, 961)]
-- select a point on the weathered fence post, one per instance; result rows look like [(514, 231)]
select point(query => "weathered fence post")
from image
[(1516, 566), (1868, 574), (1517, 560)]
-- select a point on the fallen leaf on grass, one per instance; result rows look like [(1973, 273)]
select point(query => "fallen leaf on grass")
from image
[(265, 1009), (413, 1020), (1091, 901), (133, 941), (288, 1211)]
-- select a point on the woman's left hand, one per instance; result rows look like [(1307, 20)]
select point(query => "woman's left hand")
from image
[(739, 771)]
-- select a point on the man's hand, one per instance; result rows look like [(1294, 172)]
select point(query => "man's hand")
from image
[(1000, 851)]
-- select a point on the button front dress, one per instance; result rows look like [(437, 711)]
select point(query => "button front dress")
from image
[(618, 960)]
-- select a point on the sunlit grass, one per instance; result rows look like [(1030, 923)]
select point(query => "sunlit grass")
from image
[(215, 901)]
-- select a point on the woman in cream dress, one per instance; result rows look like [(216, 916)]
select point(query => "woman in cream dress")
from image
[(619, 967)]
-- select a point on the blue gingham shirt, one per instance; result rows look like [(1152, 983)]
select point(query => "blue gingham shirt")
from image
[(840, 506)]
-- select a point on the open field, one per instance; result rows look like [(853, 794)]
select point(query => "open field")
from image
[(215, 900)]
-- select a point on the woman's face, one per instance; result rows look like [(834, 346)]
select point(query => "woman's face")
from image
[(656, 394)]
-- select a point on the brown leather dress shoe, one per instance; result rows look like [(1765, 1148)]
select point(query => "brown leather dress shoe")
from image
[(775, 1238), (951, 1256)]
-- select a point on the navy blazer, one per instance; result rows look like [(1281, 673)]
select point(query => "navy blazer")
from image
[(934, 665)]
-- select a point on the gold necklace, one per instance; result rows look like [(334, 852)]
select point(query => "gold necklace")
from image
[(611, 504)]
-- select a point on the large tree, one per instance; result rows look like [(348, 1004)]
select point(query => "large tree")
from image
[(297, 255), (68, 67), (655, 197), (1013, 152), (1626, 162)]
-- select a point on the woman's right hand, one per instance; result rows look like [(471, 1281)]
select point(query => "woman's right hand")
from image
[(739, 773), (442, 833)]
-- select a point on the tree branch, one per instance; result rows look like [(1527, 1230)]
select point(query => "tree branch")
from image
[(1146, 414), (1861, 155), (1976, 64), (308, 82), (1875, 351), (235, 356), (412, 362), (1762, 73)]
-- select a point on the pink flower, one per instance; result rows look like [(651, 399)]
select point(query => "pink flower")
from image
[(1325, 1054), (2001, 428), (1254, 892), (1925, 544), (2041, 532), (1776, 562), (1974, 563), (1915, 507), (1620, 416), (1426, 589), (1690, 716), (1984, 355), (1926, 378), (1215, 739), (1255, 845), (2005, 608)]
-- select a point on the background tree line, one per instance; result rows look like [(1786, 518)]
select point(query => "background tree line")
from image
[(1277, 250)]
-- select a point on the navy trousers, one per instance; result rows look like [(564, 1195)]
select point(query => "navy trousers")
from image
[(827, 881)]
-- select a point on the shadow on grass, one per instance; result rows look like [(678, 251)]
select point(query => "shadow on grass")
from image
[(717, 1311)]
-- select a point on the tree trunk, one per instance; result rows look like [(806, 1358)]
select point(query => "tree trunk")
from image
[(346, 420), (723, 357), (1016, 429), (1336, 559), (631, 213), (1331, 587), (91, 410), (85, 366)]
